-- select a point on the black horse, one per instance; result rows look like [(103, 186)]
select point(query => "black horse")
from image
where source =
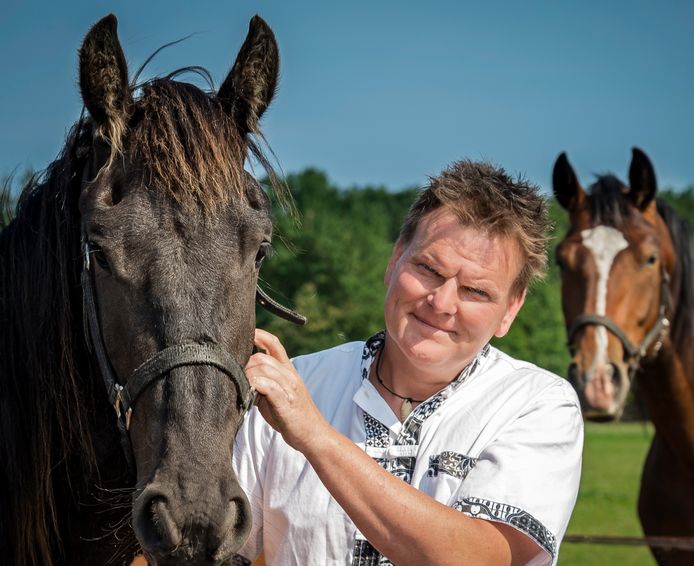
[(134, 264)]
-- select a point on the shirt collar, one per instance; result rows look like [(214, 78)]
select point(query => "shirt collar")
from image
[(374, 344)]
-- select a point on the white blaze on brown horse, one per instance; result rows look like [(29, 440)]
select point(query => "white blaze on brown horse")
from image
[(604, 243), (628, 300)]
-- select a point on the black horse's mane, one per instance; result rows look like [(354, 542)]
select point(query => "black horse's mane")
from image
[(610, 206), (42, 360), (46, 385)]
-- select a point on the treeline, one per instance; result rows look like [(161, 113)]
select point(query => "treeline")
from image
[(331, 266)]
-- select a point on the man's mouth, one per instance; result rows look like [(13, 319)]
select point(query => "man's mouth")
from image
[(430, 324)]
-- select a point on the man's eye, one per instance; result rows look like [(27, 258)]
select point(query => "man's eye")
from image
[(476, 292), (428, 269)]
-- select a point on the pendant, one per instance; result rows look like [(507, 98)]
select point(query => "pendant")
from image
[(405, 409)]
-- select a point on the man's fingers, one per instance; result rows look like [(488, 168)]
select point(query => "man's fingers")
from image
[(269, 388), (271, 344)]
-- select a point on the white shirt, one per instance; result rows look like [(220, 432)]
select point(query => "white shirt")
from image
[(502, 442)]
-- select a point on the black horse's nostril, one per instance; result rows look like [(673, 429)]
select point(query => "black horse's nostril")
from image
[(154, 525), (574, 375), (237, 525)]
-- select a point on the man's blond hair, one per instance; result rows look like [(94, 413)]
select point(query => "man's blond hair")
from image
[(484, 197)]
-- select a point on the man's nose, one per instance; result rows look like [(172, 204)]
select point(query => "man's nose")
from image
[(444, 298)]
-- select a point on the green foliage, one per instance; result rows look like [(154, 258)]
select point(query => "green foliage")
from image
[(682, 202)]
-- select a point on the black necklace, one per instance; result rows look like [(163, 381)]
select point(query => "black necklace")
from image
[(406, 407)]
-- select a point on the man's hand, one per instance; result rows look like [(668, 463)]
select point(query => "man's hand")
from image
[(283, 399)]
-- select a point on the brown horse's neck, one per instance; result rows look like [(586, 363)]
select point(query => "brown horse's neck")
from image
[(667, 387)]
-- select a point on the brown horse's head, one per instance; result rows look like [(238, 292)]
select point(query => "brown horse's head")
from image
[(616, 263), (176, 231)]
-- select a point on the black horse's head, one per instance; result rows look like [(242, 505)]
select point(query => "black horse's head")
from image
[(175, 231)]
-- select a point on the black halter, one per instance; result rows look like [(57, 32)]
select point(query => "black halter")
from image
[(123, 397), (654, 337)]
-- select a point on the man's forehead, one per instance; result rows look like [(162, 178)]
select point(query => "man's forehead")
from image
[(442, 228), (443, 223)]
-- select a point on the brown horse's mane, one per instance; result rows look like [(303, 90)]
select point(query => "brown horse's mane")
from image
[(47, 386), (609, 206)]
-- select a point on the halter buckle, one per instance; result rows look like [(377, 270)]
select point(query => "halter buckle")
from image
[(118, 406), (118, 399), (664, 331)]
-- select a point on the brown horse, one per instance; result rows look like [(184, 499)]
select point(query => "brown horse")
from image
[(127, 282), (628, 299)]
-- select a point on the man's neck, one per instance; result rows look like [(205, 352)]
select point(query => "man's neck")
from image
[(408, 379)]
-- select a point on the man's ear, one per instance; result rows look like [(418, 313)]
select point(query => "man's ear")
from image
[(396, 254), (515, 303)]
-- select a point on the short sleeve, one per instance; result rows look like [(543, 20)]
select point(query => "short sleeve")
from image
[(248, 463), (528, 476)]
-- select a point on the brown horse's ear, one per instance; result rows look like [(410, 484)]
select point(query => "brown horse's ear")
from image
[(641, 179), (567, 189), (250, 85), (104, 80)]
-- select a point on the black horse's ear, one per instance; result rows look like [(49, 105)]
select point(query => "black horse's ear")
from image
[(250, 85), (642, 180), (567, 189), (104, 79)]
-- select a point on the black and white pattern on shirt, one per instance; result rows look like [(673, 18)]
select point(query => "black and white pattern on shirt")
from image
[(371, 348), (373, 345), (377, 434), (514, 516), (238, 560), (366, 555), (451, 463)]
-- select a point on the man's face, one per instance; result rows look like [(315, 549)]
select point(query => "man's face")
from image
[(449, 291)]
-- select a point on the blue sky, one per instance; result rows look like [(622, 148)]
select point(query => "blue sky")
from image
[(387, 92)]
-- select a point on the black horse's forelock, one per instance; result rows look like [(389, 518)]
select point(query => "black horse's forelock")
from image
[(42, 359), (610, 206)]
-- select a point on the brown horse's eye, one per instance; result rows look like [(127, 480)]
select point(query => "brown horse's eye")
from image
[(652, 260), (264, 251)]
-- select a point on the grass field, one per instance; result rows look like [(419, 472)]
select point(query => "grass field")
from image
[(612, 462)]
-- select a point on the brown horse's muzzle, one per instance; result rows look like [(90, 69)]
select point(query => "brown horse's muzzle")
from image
[(602, 390)]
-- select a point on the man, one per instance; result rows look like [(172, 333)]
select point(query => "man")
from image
[(424, 445)]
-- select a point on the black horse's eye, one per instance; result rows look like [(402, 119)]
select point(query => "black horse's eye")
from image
[(264, 251), (97, 254)]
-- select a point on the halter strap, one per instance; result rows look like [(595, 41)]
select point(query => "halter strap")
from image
[(189, 354)]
